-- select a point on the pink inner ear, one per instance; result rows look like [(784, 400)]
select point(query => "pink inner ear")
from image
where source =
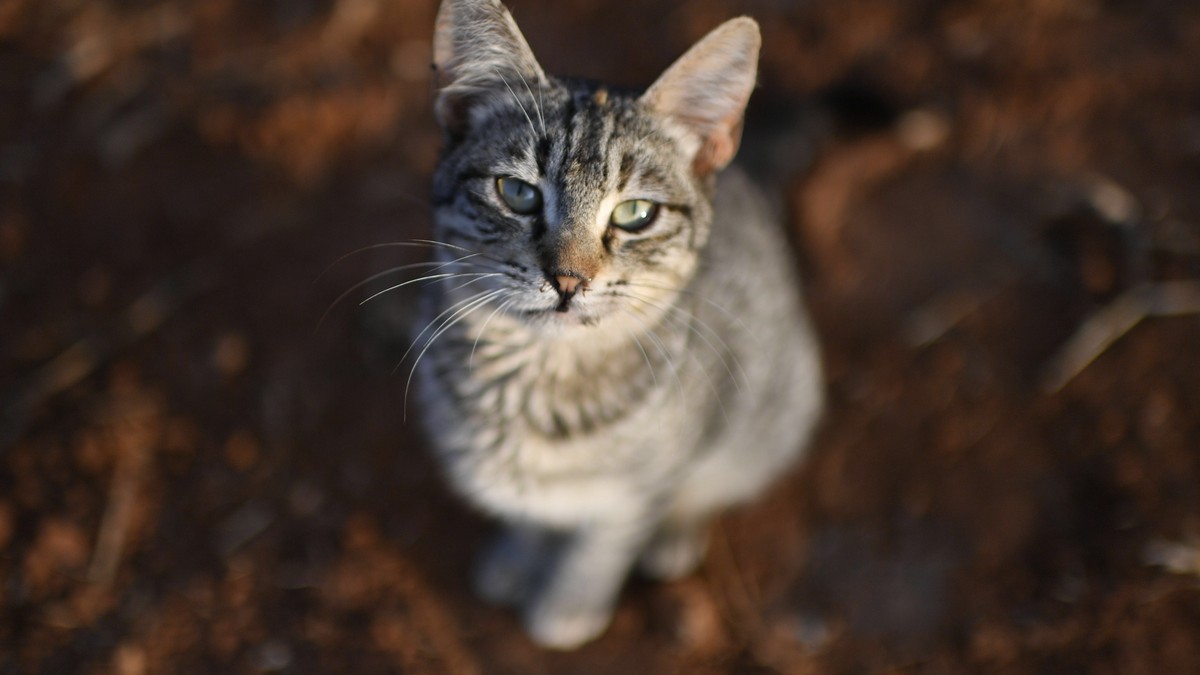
[(719, 147), (706, 89)]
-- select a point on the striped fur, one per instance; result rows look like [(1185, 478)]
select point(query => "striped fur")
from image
[(605, 422)]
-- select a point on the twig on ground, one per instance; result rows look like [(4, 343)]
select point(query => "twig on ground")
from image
[(134, 427), (1106, 326), (741, 604), (741, 607), (931, 321), (1177, 557)]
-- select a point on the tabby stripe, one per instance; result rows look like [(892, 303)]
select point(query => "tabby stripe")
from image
[(542, 154), (625, 172), (682, 209), (539, 227), (568, 122)]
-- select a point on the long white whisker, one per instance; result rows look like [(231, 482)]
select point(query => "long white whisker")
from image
[(433, 264), (415, 243), (439, 321), (679, 390), (536, 105), (518, 100), (454, 247), (636, 341), (642, 349), (728, 314), (471, 281), (432, 322), (703, 371), (658, 345), (504, 305), (694, 324), (429, 277), (461, 314)]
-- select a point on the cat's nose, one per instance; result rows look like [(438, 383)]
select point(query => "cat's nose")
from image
[(567, 283)]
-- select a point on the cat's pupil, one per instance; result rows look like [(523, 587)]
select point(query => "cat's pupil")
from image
[(520, 196)]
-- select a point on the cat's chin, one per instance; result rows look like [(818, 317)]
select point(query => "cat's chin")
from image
[(552, 321)]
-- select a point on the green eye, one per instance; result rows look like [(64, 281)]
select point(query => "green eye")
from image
[(520, 196), (634, 214)]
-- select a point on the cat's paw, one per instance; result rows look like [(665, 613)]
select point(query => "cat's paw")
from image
[(555, 627), (673, 555)]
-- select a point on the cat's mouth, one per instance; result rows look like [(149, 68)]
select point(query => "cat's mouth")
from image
[(567, 310), (565, 313)]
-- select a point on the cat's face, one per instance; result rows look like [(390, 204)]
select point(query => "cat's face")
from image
[(586, 211), (566, 205)]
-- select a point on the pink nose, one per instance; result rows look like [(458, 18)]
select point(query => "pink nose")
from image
[(567, 284)]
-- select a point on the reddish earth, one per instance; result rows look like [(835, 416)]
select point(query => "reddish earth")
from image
[(195, 477)]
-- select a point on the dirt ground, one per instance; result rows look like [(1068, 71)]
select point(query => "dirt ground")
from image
[(198, 475)]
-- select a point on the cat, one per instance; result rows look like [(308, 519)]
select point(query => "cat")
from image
[(615, 345)]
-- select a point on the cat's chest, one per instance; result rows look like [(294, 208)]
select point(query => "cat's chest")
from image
[(529, 430), (549, 436), (551, 396)]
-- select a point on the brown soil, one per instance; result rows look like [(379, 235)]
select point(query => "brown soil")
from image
[(194, 477)]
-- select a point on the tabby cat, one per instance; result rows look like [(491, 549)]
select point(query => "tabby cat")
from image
[(616, 347)]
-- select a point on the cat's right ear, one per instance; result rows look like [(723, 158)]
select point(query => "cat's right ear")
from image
[(705, 92), (478, 52)]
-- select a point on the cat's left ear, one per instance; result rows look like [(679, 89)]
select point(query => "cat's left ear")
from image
[(478, 51), (707, 89)]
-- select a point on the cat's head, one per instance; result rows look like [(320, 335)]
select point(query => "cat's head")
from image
[(571, 204)]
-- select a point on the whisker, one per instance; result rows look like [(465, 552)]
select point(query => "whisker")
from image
[(463, 249), (541, 104), (536, 105), (430, 277), (504, 305), (471, 281), (687, 291), (694, 324), (518, 100), (434, 264), (703, 371), (645, 356), (660, 347), (461, 314), (415, 243), (674, 369), (431, 323)]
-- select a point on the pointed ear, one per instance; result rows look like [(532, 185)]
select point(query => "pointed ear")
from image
[(477, 50), (706, 91)]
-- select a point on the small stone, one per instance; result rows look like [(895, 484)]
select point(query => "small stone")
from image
[(231, 354), (922, 130), (273, 655), (1113, 202), (129, 660), (242, 451)]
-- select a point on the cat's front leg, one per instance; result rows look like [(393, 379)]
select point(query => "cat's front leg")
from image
[(575, 603), (676, 549)]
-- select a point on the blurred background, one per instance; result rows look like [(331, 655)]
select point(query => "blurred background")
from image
[(997, 206)]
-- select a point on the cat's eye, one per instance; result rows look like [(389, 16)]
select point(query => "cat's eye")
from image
[(520, 196), (634, 214)]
